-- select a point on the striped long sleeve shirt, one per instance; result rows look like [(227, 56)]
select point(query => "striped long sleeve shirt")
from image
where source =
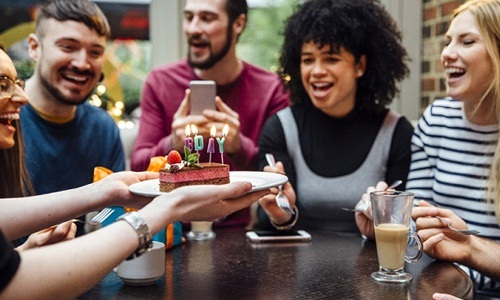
[(450, 163)]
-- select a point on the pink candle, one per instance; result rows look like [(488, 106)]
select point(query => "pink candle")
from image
[(211, 147), (188, 142)]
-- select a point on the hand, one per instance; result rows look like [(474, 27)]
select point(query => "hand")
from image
[(182, 118), (199, 203), (225, 115), (268, 203), (113, 189), (62, 232), (364, 220), (439, 241)]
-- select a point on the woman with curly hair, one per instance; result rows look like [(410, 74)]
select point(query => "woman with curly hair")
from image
[(341, 60)]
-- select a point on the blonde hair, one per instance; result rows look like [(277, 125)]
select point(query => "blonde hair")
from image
[(487, 15)]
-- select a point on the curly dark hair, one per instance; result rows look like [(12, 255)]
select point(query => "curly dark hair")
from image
[(361, 27)]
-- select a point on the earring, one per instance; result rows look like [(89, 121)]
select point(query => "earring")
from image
[(360, 73)]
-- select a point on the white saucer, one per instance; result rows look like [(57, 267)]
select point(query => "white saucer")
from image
[(259, 180)]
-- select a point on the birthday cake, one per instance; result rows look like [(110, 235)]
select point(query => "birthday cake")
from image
[(178, 172)]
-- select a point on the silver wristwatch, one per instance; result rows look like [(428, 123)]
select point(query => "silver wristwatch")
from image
[(142, 230)]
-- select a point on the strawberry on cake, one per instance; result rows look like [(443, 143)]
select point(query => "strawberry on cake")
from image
[(178, 172)]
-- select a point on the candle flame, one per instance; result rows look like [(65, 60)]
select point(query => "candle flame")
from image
[(194, 130), (225, 130), (188, 130), (212, 131)]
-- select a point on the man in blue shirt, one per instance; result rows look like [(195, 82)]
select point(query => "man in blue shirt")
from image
[(65, 137)]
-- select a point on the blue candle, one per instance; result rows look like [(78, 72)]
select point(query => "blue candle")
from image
[(221, 141), (198, 139), (211, 147), (198, 142), (221, 144)]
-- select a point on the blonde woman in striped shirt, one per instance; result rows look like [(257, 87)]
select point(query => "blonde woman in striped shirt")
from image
[(455, 150)]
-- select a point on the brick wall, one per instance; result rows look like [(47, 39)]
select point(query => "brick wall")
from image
[(437, 15)]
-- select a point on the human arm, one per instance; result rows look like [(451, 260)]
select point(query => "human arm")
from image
[(255, 99), (162, 94), (61, 232), (423, 160), (269, 205), (364, 219), (442, 243), (18, 214), (397, 169), (272, 140), (68, 269), (241, 149), (163, 126)]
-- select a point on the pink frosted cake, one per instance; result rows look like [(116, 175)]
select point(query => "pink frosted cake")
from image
[(178, 172), (209, 173)]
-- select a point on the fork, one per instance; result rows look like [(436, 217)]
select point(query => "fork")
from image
[(97, 219), (281, 198), (466, 232)]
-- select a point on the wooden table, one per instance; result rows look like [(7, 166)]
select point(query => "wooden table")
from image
[(331, 266)]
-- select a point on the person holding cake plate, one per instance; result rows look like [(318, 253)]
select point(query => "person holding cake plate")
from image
[(343, 59), (69, 268)]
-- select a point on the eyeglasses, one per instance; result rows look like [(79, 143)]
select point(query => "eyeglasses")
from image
[(7, 86)]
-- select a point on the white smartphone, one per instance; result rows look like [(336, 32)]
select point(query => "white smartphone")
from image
[(259, 236), (203, 94)]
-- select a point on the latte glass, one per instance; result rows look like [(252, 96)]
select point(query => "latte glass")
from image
[(201, 231), (391, 217)]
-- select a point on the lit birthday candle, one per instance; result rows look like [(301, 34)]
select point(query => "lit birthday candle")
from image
[(198, 140), (188, 142), (211, 147), (221, 141)]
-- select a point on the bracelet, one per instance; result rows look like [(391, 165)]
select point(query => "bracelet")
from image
[(142, 230), (288, 225)]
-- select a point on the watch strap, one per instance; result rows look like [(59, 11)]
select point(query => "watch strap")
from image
[(142, 230)]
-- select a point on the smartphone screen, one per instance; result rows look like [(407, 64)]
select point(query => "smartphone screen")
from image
[(276, 233), (203, 94), (260, 236)]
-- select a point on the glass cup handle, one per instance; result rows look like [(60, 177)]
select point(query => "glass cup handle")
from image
[(420, 247)]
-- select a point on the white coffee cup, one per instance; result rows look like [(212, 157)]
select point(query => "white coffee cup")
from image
[(145, 269)]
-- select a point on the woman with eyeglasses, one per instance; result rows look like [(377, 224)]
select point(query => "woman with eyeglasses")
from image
[(14, 180)]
